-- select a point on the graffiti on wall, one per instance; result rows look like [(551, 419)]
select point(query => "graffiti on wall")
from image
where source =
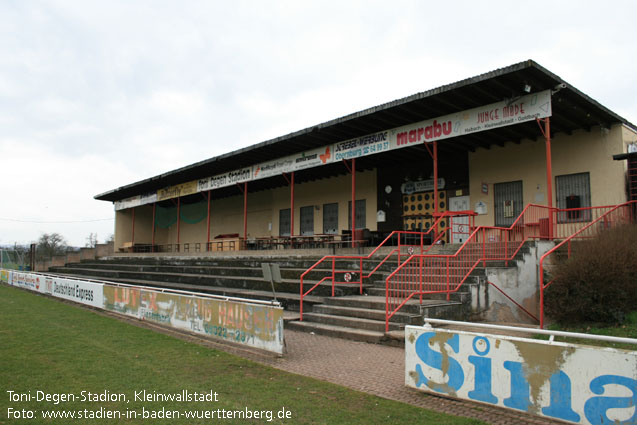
[(260, 326), (255, 325), (579, 384)]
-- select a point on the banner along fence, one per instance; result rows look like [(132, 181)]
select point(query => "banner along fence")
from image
[(257, 324), (570, 382)]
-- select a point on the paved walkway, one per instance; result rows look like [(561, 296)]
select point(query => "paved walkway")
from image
[(375, 369)]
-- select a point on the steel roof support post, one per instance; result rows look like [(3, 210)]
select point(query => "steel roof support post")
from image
[(178, 220), (132, 238), (292, 204), (245, 212), (208, 222), (152, 244), (549, 171), (353, 200), (549, 174)]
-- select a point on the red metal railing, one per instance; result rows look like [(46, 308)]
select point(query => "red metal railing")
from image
[(407, 243), (612, 217), (431, 274)]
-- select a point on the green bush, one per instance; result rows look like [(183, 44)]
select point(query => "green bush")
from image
[(599, 282)]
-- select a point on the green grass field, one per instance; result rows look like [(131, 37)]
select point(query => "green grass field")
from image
[(49, 347)]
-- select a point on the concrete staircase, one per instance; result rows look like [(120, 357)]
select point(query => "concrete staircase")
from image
[(348, 314)]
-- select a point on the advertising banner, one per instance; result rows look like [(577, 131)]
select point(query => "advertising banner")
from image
[(298, 161), (573, 383), (500, 114), (136, 201), (254, 325), (259, 326), (226, 179), (176, 191)]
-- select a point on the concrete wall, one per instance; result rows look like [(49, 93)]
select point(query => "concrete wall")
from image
[(580, 152), (520, 283)]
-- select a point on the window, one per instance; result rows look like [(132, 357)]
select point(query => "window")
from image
[(360, 214), (508, 202), (284, 222), (573, 191), (330, 219), (307, 220)]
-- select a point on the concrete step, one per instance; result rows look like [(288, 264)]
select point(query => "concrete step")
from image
[(290, 301), (372, 314), (337, 331), (246, 282), (351, 322)]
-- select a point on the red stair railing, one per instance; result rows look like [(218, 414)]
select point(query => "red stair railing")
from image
[(405, 246)]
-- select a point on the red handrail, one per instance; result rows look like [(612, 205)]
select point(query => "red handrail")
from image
[(486, 243), (361, 275)]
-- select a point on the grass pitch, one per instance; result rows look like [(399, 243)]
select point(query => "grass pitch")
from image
[(56, 357)]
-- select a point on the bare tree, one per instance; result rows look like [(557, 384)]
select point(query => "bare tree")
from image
[(91, 240), (50, 244)]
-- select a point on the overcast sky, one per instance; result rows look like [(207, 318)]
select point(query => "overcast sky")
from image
[(96, 95)]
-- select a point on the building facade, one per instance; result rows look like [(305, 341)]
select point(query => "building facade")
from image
[(494, 143)]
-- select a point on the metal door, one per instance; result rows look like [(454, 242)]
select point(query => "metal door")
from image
[(460, 229), (508, 202)]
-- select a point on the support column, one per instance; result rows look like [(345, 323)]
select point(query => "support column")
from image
[(546, 131), (178, 219), (208, 222), (152, 243), (436, 178), (292, 204), (245, 212), (353, 200), (132, 239)]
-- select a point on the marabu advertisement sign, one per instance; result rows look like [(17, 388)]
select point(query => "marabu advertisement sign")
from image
[(500, 114), (574, 383), (259, 326)]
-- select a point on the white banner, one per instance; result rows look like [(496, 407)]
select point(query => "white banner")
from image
[(574, 383), (226, 179)]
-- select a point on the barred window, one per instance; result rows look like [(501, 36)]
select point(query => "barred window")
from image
[(573, 193)]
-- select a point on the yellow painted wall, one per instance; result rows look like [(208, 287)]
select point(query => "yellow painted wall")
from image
[(580, 152), (263, 212)]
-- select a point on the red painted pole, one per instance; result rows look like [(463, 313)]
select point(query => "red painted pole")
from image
[(436, 177), (152, 244), (292, 205), (133, 232), (208, 220), (549, 174), (353, 200), (178, 220), (245, 212)]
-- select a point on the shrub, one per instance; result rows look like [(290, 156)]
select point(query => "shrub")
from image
[(599, 282)]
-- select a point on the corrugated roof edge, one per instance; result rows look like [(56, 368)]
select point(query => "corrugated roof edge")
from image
[(418, 96)]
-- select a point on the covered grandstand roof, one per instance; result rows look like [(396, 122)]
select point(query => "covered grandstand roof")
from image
[(571, 110)]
